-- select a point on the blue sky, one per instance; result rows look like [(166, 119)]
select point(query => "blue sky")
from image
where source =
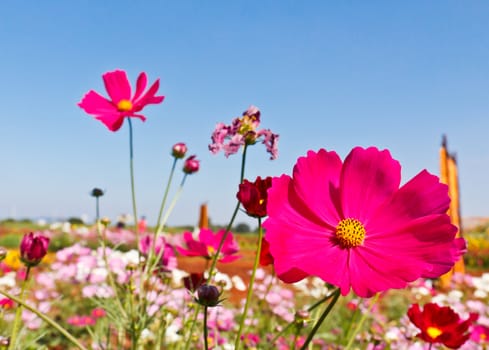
[(331, 75)]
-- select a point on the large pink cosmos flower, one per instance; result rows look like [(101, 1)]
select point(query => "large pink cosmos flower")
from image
[(351, 225), (207, 245), (121, 104)]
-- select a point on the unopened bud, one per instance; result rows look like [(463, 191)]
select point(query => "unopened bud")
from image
[(208, 295), (191, 165), (97, 192), (179, 150)]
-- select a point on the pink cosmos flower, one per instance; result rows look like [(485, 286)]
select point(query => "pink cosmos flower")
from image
[(350, 224), (243, 131), (207, 245), (168, 260), (122, 104)]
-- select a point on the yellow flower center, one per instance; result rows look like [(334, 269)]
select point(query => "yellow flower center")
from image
[(350, 233), (433, 332), (124, 105), (211, 250)]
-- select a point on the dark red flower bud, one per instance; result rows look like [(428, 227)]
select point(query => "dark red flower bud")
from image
[(179, 150), (253, 196), (191, 165), (208, 295), (33, 248)]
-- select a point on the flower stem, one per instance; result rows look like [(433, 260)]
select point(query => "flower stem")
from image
[(133, 191), (361, 322), (250, 286), (18, 312), (309, 309), (158, 222), (206, 334), (336, 295), (233, 217), (45, 318)]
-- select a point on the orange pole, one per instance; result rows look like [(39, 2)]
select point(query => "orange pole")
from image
[(444, 178), (203, 217)]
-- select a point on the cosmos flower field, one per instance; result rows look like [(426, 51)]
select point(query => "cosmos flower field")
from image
[(346, 256)]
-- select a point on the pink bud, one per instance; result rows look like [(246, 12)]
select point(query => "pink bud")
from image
[(191, 165), (179, 150), (33, 248)]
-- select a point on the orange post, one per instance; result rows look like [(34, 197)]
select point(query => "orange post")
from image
[(203, 217)]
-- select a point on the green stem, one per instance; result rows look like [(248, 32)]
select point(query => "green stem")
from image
[(192, 326), (362, 321), (46, 319), (230, 225), (206, 334), (133, 191), (158, 222), (309, 309), (250, 286), (326, 312), (18, 312)]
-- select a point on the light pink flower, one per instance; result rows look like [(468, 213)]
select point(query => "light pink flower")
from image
[(243, 131), (207, 244), (351, 225), (168, 259), (122, 104)]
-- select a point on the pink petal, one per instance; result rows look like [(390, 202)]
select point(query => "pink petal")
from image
[(293, 275), (422, 195), (117, 86), (299, 243), (316, 180), (112, 121), (102, 109), (149, 97), (368, 178), (140, 86)]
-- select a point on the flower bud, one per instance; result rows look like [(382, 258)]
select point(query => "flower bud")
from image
[(179, 150), (97, 192), (191, 165), (208, 295), (4, 341), (33, 248), (3, 253), (105, 221)]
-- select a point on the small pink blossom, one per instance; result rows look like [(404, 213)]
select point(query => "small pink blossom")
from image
[(122, 104)]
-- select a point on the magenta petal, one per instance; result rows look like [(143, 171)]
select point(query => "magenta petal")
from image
[(117, 85), (368, 178), (95, 104), (422, 195), (112, 121), (149, 97), (316, 180), (293, 275), (298, 243), (140, 86)]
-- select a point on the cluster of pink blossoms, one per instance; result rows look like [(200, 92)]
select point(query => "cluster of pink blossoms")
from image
[(243, 131)]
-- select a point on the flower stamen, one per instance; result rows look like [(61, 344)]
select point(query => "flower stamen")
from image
[(124, 105), (433, 332), (350, 233)]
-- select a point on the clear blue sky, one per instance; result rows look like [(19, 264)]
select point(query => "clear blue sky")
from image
[(396, 75)]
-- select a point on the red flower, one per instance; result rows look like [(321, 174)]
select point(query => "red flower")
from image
[(121, 104), (253, 196), (191, 165), (265, 257), (440, 324), (33, 248)]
